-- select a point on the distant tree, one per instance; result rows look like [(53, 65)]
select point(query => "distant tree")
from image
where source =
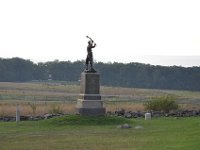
[(136, 75), (16, 69)]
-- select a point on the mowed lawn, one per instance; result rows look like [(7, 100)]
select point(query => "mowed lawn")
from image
[(101, 133)]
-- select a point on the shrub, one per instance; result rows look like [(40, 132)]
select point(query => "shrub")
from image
[(163, 103), (33, 107)]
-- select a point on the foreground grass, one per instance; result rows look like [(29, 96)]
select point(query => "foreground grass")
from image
[(101, 133)]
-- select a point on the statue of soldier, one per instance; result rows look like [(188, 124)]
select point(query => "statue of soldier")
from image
[(89, 59)]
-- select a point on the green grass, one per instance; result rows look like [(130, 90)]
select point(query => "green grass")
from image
[(101, 133), (76, 120)]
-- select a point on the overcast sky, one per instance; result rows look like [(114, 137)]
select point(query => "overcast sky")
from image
[(165, 32)]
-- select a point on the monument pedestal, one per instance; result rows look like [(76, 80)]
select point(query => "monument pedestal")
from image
[(89, 102)]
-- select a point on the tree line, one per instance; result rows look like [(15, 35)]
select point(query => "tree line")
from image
[(135, 75)]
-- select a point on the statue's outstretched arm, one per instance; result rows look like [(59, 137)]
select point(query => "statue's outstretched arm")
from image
[(89, 38)]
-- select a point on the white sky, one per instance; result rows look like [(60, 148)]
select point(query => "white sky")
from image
[(124, 30)]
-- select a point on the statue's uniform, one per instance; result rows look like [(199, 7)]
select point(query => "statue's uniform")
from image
[(89, 55)]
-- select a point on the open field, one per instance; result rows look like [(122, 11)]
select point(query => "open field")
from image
[(45, 96), (93, 133), (101, 133)]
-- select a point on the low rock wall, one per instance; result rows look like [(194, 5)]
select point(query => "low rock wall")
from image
[(178, 113), (122, 113)]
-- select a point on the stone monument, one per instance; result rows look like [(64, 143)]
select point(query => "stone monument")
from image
[(89, 102)]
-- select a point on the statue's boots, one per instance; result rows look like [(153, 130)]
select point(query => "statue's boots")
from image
[(86, 67)]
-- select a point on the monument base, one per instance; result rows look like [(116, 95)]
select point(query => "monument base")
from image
[(91, 111), (89, 102), (90, 107)]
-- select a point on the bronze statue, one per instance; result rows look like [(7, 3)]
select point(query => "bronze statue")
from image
[(89, 59)]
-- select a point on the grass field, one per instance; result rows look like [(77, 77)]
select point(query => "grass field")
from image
[(46, 95), (93, 133), (101, 133)]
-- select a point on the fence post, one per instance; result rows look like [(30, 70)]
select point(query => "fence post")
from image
[(17, 113)]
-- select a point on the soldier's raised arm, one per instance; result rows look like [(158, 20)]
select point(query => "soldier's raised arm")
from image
[(89, 38), (93, 46)]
